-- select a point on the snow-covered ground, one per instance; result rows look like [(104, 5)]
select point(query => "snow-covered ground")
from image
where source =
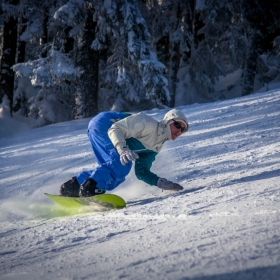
[(225, 224)]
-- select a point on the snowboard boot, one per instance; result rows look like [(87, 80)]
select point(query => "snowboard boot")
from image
[(88, 188), (70, 188)]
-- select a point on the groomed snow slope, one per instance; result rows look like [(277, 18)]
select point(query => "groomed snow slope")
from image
[(224, 225)]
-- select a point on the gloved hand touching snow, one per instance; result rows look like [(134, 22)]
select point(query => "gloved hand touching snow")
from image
[(164, 184), (126, 155)]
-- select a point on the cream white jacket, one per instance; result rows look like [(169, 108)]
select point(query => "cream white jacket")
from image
[(151, 133)]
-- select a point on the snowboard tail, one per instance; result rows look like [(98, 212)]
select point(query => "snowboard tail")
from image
[(107, 201)]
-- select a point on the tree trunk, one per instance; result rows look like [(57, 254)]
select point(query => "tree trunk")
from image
[(86, 97), (251, 64), (20, 103), (68, 41), (44, 38), (9, 45), (21, 44)]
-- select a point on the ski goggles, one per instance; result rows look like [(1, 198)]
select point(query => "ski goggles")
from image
[(179, 126)]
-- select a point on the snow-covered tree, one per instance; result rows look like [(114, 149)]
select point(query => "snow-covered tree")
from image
[(198, 40), (52, 70), (85, 56), (132, 65), (137, 36)]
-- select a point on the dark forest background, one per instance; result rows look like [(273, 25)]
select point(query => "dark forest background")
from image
[(62, 60)]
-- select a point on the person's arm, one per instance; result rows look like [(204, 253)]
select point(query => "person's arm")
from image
[(143, 172), (131, 126), (143, 168)]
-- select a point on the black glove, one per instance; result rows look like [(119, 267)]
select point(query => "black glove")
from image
[(164, 184)]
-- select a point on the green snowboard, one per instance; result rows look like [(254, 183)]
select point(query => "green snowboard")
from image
[(100, 202)]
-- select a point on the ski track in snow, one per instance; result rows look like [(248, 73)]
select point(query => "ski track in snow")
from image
[(224, 225)]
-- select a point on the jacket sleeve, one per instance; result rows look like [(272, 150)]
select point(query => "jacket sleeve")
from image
[(142, 168), (132, 126)]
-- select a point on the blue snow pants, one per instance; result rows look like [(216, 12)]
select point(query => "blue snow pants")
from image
[(110, 172)]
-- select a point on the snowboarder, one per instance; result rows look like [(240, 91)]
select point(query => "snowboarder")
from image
[(118, 139)]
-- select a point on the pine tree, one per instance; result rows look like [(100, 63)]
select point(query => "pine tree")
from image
[(198, 41), (52, 69), (170, 36), (131, 69), (137, 37)]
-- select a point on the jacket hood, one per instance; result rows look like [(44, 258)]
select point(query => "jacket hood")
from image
[(176, 115)]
